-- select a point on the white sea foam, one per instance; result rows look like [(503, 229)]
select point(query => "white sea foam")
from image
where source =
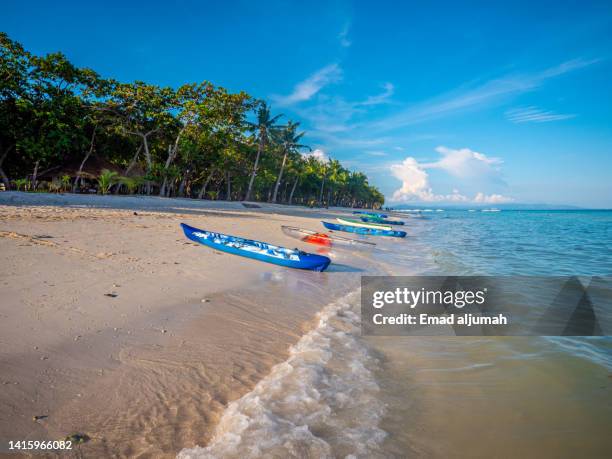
[(321, 402)]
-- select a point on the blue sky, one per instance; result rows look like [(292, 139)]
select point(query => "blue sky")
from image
[(436, 102)]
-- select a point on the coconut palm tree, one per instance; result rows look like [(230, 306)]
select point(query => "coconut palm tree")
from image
[(264, 124), (288, 138), (297, 169), (106, 180), (333, 172)]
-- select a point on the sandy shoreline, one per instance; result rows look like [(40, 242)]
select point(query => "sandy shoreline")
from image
[(148, 371)]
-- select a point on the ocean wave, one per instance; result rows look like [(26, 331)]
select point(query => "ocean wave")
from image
[(323, 401)]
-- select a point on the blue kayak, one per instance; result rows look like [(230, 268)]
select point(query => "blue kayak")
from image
[(382, 221), (257, 250), (373, 214), (362, 230)]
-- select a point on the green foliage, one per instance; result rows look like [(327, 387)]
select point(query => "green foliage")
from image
[(106, 180), (22, 184), (65, 183), (131, 183), (54, 114)]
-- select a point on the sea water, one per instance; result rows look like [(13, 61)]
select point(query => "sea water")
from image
[(484, 396), (344, 395)]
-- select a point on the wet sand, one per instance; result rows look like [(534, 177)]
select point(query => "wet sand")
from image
[(116, 326)]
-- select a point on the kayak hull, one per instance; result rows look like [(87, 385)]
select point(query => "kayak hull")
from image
[(362, 230), (257, 250), (381, 221), (354, 222)]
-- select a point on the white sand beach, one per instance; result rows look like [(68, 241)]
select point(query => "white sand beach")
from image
[(116, 326)]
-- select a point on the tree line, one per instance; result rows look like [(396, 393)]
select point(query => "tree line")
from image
[(198, 140)]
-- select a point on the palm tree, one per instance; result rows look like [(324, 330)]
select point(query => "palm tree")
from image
[(65, 182), (297, 167), (265, 123), (323, 173), (334, 167), (289, 141), (22, 183), (107, 179)]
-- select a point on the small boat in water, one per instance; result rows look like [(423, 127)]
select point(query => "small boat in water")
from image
[(363, 230), (323, 239), (257, 250), (354, 222)]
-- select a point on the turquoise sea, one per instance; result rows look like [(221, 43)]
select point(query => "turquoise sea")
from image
[(549, 243), (540, 396)]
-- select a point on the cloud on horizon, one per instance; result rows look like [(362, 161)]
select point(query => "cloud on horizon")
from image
[(461, 163)]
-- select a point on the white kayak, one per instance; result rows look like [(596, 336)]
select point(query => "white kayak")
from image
[(360, 224)]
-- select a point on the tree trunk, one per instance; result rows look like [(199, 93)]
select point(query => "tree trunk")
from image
[(181, 190), (145, 144), (34, 176), (321, 192), (133, 161), (280, 176), (260, 147), (5, 179), (203, 190), (162, 190), (77, 181), (172, 152), (229, 187), (293, 190)]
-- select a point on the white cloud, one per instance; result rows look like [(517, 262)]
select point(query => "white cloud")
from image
[(465, 163), (334, 114), (488, 93), (533, 114), (462, 163), (318, 154), (376, 153), (492, 199), (382, 98), (415, 181), (306, 89), (343, 36)]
